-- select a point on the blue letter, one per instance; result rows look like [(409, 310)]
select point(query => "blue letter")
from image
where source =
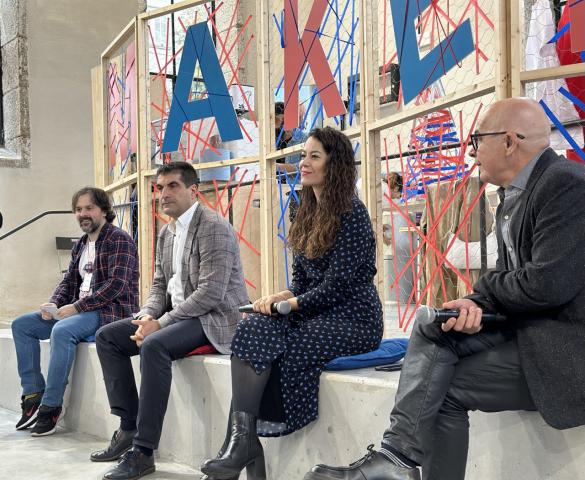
[(416, 73), (218, 104)]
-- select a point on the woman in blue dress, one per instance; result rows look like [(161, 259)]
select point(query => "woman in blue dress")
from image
[(336, 311)]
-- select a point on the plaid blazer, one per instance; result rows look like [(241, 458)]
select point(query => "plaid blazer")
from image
[(212, 278), (115, 280)]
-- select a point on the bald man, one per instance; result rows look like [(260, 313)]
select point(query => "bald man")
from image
[(535, 360)]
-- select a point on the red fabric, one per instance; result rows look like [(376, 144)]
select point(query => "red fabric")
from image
[(203, 350), (566, 57)]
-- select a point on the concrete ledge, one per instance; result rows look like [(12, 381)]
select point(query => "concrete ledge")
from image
[(354, 408)]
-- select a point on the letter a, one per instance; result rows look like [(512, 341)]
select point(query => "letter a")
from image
[(199, 46)]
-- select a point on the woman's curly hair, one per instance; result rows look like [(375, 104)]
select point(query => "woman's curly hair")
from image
[(316, 224)]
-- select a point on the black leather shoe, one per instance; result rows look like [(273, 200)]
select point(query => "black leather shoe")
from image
[(373, 466), (132, 465), (120, 443)]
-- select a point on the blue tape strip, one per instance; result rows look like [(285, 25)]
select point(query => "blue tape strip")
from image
[(563, 130), (560, 33)]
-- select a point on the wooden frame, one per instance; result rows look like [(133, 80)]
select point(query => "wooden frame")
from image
[(508, 80)]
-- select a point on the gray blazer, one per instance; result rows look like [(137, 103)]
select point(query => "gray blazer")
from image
[(212, 277), (544, 298)]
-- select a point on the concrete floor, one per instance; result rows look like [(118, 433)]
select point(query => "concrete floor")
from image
[(62, 456)]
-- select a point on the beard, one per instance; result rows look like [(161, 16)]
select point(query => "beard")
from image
[(90, 227)]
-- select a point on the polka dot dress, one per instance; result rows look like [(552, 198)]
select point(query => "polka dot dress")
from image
[(340, 314)]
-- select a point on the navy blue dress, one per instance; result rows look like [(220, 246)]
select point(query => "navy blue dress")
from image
[(340, 314)]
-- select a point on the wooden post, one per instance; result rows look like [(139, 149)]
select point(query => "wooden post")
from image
[(370, 139), (97, 110), (263, 20), (145, 217)]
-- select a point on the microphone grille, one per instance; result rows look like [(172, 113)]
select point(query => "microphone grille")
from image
[(425, 314), (283, 307)]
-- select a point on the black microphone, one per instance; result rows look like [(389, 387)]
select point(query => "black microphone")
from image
[(428, 314), (282, 308)]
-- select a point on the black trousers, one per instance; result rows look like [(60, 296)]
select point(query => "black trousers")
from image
[(157, 353), (444, 376)]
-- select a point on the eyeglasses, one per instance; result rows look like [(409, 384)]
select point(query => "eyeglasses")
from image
[(476, 136)]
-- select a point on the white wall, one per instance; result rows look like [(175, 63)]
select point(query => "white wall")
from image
[(65, 40)]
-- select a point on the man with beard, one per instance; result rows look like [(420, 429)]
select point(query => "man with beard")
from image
[(100, 286)]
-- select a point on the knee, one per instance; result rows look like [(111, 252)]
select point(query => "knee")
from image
[(102, 336), (454, 409), (428, 330), (62, 334), (20, 324), (151, 346), (247, 326)]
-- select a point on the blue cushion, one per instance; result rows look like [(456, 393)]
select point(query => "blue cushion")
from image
[(391, 350)]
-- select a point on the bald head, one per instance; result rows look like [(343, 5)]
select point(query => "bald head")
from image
[(521, 115), (511, 133)]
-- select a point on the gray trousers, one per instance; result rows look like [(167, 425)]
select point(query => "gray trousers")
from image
[(157, 353), (444, 376)]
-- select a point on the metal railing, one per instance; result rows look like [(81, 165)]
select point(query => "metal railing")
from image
[(34, 219)]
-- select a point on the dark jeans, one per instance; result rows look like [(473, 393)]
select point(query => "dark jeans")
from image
[(444, 376), (157, 353)]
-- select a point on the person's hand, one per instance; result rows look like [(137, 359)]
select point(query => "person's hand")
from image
[(262, 305), (44, 314), (67, 311), (146, 326), (469, 320)]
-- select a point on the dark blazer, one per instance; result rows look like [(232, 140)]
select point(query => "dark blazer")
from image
[(544, 298), (212, 278)]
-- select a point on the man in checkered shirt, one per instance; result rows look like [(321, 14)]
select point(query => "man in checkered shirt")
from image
[(100, 286)]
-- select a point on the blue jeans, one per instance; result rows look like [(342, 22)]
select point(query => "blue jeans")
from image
[(65, 334)]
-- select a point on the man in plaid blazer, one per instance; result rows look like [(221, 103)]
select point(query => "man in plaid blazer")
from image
[(197, 288), (100, 286)]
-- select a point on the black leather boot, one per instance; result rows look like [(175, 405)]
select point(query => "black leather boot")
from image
[(244, 450), (226, 441)]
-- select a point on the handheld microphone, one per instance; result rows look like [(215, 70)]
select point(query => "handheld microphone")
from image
[(428, 314), (282, 308)]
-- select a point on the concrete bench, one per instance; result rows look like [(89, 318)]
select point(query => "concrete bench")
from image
[(354, 408)]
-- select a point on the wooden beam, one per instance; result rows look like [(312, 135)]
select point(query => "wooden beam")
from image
[(370, 139), (265, 133), (159, 12), (126, 33), (463, 95), (565, 71), (145, 218), (502, 47), (123, 182), (97, 111), (515, 48)]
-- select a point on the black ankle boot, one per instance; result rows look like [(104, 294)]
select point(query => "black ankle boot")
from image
[(226, 441), (243, 451)]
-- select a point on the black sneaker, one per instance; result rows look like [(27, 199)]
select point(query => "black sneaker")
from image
[(30, 409), (46, 421)]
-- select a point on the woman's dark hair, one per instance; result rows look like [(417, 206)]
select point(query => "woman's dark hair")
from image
[(188, 173), (98, 198), (316, 224)]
